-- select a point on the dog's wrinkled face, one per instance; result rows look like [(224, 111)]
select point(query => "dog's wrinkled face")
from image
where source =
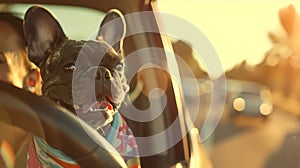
[(73, 71)]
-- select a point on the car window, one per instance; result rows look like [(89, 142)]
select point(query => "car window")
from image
[(78, 23)]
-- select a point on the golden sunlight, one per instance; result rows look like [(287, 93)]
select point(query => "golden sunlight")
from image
[(237, 29)]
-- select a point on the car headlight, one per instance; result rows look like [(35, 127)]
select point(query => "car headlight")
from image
[(239, 104), (266, 108)]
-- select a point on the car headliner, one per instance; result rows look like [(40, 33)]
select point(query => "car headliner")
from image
[(103, 5)]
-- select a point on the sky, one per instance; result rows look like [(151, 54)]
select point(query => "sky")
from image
[(236, 28)]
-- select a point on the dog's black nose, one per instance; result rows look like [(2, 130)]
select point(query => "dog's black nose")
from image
[(103, 73)]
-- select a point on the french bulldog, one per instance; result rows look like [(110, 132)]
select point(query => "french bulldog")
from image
[(85, 77), (63, 78)]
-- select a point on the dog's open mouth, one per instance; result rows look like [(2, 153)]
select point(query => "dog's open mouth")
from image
[(97, 114), (97, 106)]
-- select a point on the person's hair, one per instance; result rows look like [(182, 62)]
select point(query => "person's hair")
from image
[(16, 22)]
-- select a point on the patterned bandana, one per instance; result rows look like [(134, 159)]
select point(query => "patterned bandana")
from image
[(41, 155)]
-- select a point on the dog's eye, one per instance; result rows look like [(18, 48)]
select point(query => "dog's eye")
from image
[(70, 67), (120, 66)]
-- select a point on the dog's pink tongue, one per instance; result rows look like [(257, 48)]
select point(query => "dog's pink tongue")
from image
[(98, 105), (105, 104)]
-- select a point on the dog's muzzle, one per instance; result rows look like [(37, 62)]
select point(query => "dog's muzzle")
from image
[(102, 74), (98, 93)]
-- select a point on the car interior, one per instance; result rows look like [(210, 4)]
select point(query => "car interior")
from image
[(41, 117)]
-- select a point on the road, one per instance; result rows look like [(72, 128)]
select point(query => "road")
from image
[(252, 143)]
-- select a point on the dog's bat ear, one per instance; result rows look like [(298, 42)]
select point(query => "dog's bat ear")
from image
[(113, 29), (42, 32)]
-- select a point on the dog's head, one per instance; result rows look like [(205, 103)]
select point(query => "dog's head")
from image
[(72, 70)]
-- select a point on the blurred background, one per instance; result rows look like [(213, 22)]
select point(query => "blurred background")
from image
[(258, 43)]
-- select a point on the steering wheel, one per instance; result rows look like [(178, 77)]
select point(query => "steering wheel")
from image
[(60, 128)]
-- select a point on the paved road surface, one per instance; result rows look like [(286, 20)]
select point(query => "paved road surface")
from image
[(249, 143)]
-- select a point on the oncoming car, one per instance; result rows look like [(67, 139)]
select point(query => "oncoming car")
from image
[(243, 98), (249, 98), (179, 147)]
